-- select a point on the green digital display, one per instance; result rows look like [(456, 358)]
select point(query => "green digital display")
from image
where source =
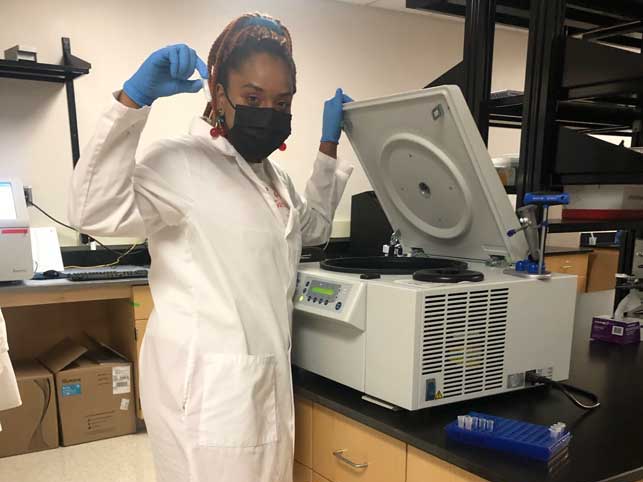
[(322, 291)]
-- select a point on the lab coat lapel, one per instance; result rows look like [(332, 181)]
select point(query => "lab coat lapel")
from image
[(284, 192), (266, 192), (200, 127)]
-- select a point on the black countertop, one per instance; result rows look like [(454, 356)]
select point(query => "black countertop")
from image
[(607, 443)]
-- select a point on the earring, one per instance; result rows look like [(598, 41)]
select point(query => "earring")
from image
[(218, 130), (283, 147)]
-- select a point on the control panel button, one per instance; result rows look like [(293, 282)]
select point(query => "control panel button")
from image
[(309, 298), (325, 302), (338, 306), (315, 300), (305, 289), (307, 283)]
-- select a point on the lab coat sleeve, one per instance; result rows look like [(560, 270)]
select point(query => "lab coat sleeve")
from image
[(9, 393), (112, 194), (317, 205)]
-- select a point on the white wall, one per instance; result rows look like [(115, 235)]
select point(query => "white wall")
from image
[(367, 51)]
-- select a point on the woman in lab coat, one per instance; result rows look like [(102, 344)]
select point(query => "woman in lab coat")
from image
[(225, 228)]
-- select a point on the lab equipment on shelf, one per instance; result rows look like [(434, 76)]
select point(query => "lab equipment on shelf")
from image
[(16, 258)]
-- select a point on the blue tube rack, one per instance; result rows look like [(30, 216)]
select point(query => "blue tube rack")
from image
[(511, 436)]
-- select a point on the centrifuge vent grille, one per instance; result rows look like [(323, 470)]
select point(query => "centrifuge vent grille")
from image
[(464, 340)]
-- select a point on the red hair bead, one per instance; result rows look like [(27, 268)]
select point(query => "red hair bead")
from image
[(283, 147)]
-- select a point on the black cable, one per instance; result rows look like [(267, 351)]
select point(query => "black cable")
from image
[(567, 390), (115, 253)]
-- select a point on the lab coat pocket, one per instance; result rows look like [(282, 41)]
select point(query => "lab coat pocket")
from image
[(233, 404)]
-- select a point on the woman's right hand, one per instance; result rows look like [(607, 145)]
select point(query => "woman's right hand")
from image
[(164, 73)]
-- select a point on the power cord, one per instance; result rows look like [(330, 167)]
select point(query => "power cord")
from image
[(119, 256), (568, 390)]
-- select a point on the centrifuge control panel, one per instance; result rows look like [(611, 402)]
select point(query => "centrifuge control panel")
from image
[(324, 295)]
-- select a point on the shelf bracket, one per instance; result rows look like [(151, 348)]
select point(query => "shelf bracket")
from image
[(72, 61), (545, 55), (479, 33)]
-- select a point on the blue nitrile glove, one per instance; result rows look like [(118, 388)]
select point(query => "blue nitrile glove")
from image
[(165, 73), (333, 117)]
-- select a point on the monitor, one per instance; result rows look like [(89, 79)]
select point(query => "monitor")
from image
[(7, 204)]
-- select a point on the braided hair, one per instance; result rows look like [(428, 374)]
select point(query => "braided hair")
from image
[(249, 34)]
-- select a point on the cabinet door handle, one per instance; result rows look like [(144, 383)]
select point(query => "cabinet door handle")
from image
[(340, 455)]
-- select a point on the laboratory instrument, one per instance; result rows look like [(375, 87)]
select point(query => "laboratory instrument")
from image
[(16, 258), (537, 442), (378, 324), (22, 53)]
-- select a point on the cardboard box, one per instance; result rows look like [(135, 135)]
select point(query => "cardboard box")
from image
[(34, 425), (94, 390), (607, 329)]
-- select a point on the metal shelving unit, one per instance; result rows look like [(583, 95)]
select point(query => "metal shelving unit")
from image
[(71, 69), (579, 81)]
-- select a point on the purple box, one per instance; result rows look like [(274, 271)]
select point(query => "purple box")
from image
[(621, 332)]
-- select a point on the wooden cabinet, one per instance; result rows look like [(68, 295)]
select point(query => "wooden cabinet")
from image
[(301, 473), (139, 331), (602, 269), (142, 301), (422, 467), (570, 264), (304, 432), (346, 451), (319, 478), (143, 305)]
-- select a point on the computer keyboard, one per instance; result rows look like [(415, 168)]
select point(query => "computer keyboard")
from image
[(106, 275)]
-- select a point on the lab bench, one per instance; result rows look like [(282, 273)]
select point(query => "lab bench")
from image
[(397, 446), (606, 445)]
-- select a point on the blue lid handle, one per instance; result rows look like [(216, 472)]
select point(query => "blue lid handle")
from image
[(547, 199)]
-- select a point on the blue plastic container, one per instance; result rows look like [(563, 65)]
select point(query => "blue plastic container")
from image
[(511, 436)]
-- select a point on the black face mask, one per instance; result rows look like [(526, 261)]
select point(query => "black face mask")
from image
[(258, 131)]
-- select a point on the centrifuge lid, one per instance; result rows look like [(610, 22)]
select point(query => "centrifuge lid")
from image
[(432, 173)]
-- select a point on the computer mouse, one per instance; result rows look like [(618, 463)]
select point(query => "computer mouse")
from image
[(52, 273)]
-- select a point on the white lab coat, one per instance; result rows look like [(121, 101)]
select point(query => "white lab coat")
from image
[(9, 394), (216, 383)]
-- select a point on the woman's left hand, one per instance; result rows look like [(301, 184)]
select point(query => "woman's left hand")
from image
[(333, 117)]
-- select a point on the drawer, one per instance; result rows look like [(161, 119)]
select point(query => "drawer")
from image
[(304, 432), (139, 326), (319, 478), (142, 300), (570, 264), (301, 473), (422, 467), (347, 451)]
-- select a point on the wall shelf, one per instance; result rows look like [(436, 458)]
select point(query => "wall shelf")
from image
[(65, 73), (26, 70)]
